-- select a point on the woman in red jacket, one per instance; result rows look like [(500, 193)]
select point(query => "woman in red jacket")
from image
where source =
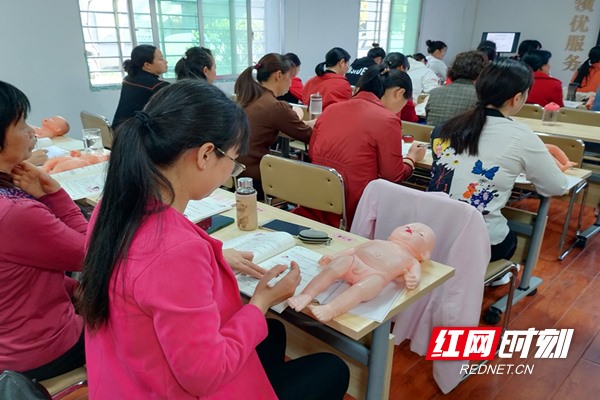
[(362, 139), (330, 81), (545, 89)]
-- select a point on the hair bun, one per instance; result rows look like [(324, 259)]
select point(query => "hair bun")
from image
[(374, 44), (429, 42)]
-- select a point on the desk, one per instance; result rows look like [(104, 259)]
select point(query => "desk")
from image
[(352, 328), (67, 143), (586, 133)]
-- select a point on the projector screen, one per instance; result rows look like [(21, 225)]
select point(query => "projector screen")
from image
[(506, 42)]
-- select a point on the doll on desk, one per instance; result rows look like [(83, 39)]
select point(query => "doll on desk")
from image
[(368, 267)]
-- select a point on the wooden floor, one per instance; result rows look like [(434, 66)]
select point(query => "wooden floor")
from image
[(569, 297)]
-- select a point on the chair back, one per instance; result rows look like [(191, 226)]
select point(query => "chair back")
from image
[(533, 111), (573, 148), (420, 132), (581, 117), (305, 184), (90, 120)]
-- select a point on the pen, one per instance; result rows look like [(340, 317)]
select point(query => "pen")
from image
[(275, 280), (422, 145)]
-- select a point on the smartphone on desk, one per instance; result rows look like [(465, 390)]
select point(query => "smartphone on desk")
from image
[(214, 223), (284, 226)]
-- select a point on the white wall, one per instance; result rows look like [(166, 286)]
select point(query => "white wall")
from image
[(43, 55), (313, 27)]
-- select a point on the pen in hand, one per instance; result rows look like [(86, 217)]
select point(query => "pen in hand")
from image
[(274, 281)]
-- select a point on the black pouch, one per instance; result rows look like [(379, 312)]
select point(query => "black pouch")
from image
[(313, 236)]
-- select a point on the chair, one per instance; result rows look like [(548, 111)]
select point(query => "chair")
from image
[(66, 384), (420, 132), (89, 120), (574, 149), (581, 117), (460, 229), (308, 185), (533, 111)]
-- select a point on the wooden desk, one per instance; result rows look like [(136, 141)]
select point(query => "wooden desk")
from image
[(352, 328), (586, 133), (67, 143)]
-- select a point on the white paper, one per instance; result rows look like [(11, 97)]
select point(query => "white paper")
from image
[(263, 245), (55, 151), (197, 210), (83, 182), (572, 181)]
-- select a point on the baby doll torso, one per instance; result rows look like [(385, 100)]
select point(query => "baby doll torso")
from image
[(379, 257)]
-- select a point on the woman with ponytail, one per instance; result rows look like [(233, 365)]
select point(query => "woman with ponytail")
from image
[(478, 155), (437, 51), (588, 74), (142, 81), (400, 62), (256, 89), (358, 67), (362, 138), (163, 313), (197, 63), (330, 81)]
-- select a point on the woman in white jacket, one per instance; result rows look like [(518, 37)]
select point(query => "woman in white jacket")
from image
[(423, 78)]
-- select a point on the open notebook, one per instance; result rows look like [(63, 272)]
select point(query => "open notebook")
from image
[(274, 248)]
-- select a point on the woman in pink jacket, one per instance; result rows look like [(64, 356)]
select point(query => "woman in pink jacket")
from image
[(163, 310)]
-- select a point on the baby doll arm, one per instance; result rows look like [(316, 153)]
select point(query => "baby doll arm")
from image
[(412, 275), (561, 159), (326, 260)]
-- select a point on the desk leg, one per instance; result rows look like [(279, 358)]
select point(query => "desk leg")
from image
[(582, 238), (530, 283), (378, 360)]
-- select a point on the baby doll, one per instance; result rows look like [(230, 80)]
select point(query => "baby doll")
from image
[(368, 267), (72, 161), (561, 159), (52, 127)]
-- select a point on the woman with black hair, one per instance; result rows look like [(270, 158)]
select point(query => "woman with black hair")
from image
[(362, 137), (478, 155), (526, 46), (545, 89), (142, 81), (256, 89), (358, 67), (197, 63), (400, 62), (437, 50), (164, 317), (294, 95), (588, 74), (330, 81)]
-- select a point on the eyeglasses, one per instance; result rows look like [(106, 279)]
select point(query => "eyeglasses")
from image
[(238, 167)]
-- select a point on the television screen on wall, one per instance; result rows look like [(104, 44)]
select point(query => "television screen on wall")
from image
[(506, 42)]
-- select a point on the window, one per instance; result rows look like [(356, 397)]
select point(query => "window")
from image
[(238, 32), (394, 24)]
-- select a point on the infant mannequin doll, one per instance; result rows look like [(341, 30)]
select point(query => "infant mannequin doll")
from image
[(561, 159), (52, 127), (368, 267)]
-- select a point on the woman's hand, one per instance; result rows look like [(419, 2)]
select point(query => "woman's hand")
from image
[(38, 157), (33, 180), (241, 261), (416, 152), (265, 296)]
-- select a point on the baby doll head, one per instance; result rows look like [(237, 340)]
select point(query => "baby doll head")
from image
[(52, 127), (416, 237)]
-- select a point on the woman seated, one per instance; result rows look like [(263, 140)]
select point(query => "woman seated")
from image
[(362, 138), (256, 89), (437, 51), (294, 95), (162, 307), (545, 89), (43, 236), (478, 155), (526, 46), (400, 62), (422, 78), (142, 81), (330, 81), (374, 56), (588, 74), (447, 101), (197, 63)]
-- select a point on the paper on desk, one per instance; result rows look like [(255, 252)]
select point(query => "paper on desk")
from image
[(376, 309), (83, 182), (572, 104), (55, 151), (572, 181), (197, 210)]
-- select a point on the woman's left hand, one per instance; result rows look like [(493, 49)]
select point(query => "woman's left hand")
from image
[(33, 180), (241, 261)]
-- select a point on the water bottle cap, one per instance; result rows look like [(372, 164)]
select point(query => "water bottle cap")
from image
[(244, 183)]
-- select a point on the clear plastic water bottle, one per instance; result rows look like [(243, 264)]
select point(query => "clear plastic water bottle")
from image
[(316, 105)]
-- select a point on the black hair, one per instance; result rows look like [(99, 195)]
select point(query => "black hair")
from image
[(536, 59), (467, 65), (247, 88), (144, 53), (489, 52), (527, 45), (500, 81), (293, 58), (182, 116), (14, 105), (433, 45), (420, 57), (584, 69), (378, 78), (395, 60), (332, 57), (376, 51), (192, 64), (487, 43)]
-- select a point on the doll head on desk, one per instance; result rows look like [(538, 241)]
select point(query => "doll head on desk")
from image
[(368, 267), (52, 127)]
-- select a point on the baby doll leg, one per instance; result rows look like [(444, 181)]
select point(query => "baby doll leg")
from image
[(364, 290), (337, 268)]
